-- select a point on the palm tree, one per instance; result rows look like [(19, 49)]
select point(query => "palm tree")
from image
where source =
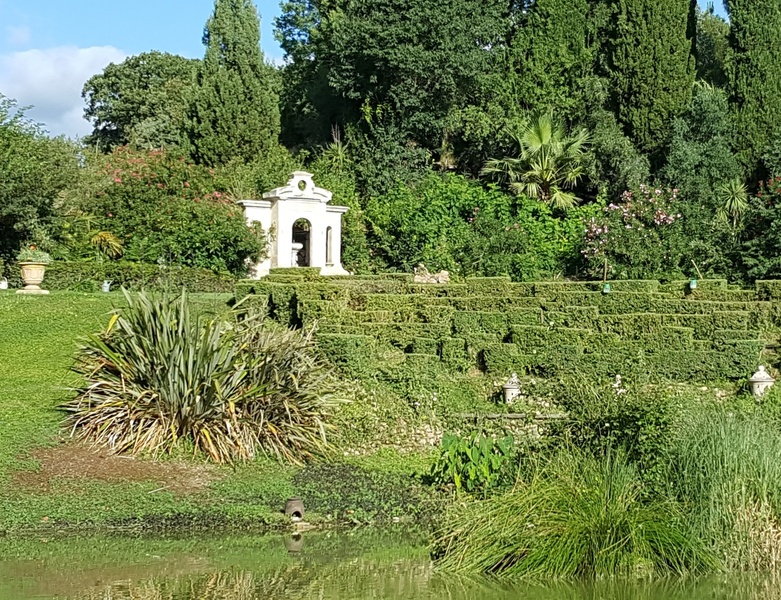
[(547, 163), (734, 202)]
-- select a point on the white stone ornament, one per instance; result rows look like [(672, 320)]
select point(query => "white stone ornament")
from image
[(307, 229), (512, 389), (761, 381)]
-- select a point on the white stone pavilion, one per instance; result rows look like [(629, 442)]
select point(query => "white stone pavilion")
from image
[(304, 229)]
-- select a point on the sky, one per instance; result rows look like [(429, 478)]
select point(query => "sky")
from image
[(50, 48)]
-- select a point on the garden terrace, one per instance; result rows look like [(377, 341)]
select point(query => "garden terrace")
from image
[(664, 331)]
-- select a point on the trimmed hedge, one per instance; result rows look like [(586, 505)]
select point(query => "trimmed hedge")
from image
[(88, 277), (641, 328)]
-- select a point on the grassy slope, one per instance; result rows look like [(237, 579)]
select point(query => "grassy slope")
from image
[(37, 342), (38, 337)]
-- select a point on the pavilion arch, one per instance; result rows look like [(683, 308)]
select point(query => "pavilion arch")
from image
[(285, 212)]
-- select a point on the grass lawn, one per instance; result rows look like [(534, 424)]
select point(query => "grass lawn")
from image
[(38, 340)]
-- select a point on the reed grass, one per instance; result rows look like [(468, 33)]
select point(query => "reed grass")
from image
[(576, 516), (727, 469)]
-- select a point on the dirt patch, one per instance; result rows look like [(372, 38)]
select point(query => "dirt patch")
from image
[(78, 462)]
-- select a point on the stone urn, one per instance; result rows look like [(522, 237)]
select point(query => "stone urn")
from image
[(32, 276), (760, 382)]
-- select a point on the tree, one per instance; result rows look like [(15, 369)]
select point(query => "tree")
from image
[(34, 169), (546, 164), (700, 160), (551, 53), (651, 66), (142, 101), (392, 64), (755, 74), (234, 112), (712, 47)]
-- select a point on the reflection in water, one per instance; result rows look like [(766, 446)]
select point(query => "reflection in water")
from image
[(326, 567), (294, 543)]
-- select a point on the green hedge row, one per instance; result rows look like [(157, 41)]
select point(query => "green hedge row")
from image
[(717, 331), (88, 277), (672, 365)]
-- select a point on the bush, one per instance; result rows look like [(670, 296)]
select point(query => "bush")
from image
[(159, 378), (449, 222), (620, 417), (640, 237), (760, 254), (351, 493), (88, 276), (575, 516), (161, 207)]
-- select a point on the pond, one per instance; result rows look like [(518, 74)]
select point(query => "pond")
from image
[(366, 565)]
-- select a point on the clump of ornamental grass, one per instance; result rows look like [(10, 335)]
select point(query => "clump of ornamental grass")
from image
[(575, 516), (162, 377), (726, 468)]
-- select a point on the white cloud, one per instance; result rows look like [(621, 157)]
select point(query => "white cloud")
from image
[(51, 81), (17, 36)]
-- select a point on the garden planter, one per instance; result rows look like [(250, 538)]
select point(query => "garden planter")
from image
[(32, 276)]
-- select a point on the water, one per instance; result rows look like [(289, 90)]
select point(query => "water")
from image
[(362, 565)]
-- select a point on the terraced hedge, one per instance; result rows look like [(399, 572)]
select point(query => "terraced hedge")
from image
[(662, 331)]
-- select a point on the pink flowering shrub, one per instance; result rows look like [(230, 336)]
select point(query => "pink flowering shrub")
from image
[(641, 236), (166, 209)]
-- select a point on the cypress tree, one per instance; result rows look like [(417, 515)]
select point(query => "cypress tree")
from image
[(651, 66), (755, 74), (551, 56), (234, 111)]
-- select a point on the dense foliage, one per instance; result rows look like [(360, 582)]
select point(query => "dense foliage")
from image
[(651, 66), (164, 208), (755, 74), (400, 105), (142, 100), (233, 112), (640, 236), (34, 170)]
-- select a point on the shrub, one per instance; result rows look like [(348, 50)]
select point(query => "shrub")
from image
[(159, 378), (450, 222), (575, 516), (350, 492), (640, 237), (161, 207), (475, 463), (621, 417), (760, 253), (87, 277)]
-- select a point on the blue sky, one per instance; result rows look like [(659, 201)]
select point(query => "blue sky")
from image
[(49, 48)]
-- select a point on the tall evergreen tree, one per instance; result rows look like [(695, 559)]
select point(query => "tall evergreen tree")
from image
[(755, 74), (552, 54), (234, 111), (712, 47), (651, 66)]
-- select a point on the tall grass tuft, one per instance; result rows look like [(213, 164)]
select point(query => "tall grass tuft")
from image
[(727, 469), (575, 516), (230, 387)]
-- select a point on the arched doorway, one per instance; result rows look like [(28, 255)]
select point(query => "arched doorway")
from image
[(302, 243)]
